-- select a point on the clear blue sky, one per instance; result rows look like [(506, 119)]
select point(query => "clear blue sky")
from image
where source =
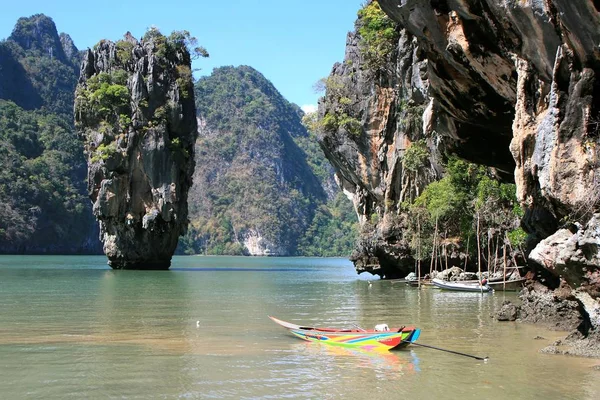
[(293, 43)]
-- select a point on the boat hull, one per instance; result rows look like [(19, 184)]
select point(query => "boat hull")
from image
[(500, 286), (423, 283), (460, 287), (395, 338), (508, 286), (364, 341)]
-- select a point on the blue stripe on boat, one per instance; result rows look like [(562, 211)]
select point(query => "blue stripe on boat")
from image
[(415, 335)]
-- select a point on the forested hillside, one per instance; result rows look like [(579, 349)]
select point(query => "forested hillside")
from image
[(43, 202), (261, 183)]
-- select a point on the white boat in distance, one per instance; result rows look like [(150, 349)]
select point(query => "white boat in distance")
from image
[(461, 286)]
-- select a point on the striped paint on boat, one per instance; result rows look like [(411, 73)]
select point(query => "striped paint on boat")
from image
[(388, 340), (394, 338)]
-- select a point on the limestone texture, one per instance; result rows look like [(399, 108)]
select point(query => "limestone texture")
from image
[(135, 112), (369, 166), (509, 84)]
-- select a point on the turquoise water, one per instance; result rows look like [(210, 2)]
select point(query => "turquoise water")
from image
[(71, 328)]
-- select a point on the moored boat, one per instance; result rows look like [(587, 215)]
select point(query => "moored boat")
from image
[(502, 286), (382, 338), (508, 286), (461, 286)]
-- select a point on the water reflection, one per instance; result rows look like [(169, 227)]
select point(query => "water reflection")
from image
[(382, 362), (90, 332)]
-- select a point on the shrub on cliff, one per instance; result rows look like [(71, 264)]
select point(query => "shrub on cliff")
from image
[(378, 36), (415, 156), (451, 208), (104, 98), (340, 114)]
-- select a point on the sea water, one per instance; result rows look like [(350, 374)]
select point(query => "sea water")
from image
[(72, 328)]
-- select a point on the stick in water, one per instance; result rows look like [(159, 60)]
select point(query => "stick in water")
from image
[(449, 351)]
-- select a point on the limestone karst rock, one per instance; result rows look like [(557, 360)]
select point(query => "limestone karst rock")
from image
[(512, 85), (387, 102), (135, 111)]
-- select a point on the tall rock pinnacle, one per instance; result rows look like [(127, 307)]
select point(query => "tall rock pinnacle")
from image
[(135, 111)]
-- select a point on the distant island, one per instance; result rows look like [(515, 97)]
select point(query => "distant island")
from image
[(275, 193)]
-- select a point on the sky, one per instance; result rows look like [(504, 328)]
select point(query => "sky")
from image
[(293, 43)]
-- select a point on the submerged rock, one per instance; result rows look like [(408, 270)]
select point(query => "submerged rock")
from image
[(543, 306), (508, 312), (567, 310), (135, 111), (562, 309), (575, 345)]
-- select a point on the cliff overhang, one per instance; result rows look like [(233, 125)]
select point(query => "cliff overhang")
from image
[(510, 85)]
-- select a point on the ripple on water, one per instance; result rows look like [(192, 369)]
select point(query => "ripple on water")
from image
[(71, 328)]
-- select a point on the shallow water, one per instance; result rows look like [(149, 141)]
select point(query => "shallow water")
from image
[(72, 328)]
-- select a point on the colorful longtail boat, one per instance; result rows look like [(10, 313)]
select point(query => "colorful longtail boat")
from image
[(377, 339)]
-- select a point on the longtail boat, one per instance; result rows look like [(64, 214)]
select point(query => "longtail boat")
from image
[(383, 338), (461, 286)]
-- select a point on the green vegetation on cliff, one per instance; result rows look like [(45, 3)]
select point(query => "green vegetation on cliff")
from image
[(340, 113), (259, 173), (43, 201), (450, 210), (333, 230), (38, 67), (378, 36)]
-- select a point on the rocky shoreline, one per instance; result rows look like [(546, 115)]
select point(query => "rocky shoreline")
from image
[(562, 309)]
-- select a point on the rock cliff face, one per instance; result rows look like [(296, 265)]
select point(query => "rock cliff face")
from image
[(393, 108), (254, 191), (135, 110), (525, 71), (512, 85), (509, 84)]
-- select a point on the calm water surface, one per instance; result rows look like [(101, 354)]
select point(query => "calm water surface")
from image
[(71, 328)]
